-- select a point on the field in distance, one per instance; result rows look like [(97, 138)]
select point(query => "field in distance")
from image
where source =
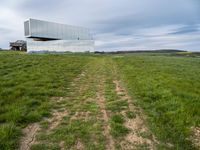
[(99, 101)]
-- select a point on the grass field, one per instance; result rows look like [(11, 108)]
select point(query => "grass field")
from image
[(168, 89), (90, 101)]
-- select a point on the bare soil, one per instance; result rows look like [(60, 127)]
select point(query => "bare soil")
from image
[(57, 116), (195, 136), (29, 136)]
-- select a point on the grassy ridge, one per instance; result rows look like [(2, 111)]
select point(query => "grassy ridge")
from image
[(27, 82), (168, 90)]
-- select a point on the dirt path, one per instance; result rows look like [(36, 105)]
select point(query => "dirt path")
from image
[(82, 120), (94, 79)]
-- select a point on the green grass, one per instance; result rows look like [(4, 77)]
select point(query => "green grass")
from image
[(167, 88), (117, 127), (45, 147), (27, 83)]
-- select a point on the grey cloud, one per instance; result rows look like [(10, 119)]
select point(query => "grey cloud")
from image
[(187, 29), (128, 24)]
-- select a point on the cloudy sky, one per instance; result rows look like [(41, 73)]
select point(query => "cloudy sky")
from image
[(116, 24)]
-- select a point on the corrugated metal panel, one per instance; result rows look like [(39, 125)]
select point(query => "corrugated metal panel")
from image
[(44, 29), (26, 28), (66, 37)]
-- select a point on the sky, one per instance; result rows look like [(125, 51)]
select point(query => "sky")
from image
[(116, 24)]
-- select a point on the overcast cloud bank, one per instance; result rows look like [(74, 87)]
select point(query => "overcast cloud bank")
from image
[(117, 25)]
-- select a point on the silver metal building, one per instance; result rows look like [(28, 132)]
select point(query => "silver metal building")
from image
[(54, 37)]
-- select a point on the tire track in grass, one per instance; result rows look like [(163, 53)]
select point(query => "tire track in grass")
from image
[(77, 89), (101, 103), (86, 115), (139, 135), (30, 132), (95, 77), (99, 79)]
